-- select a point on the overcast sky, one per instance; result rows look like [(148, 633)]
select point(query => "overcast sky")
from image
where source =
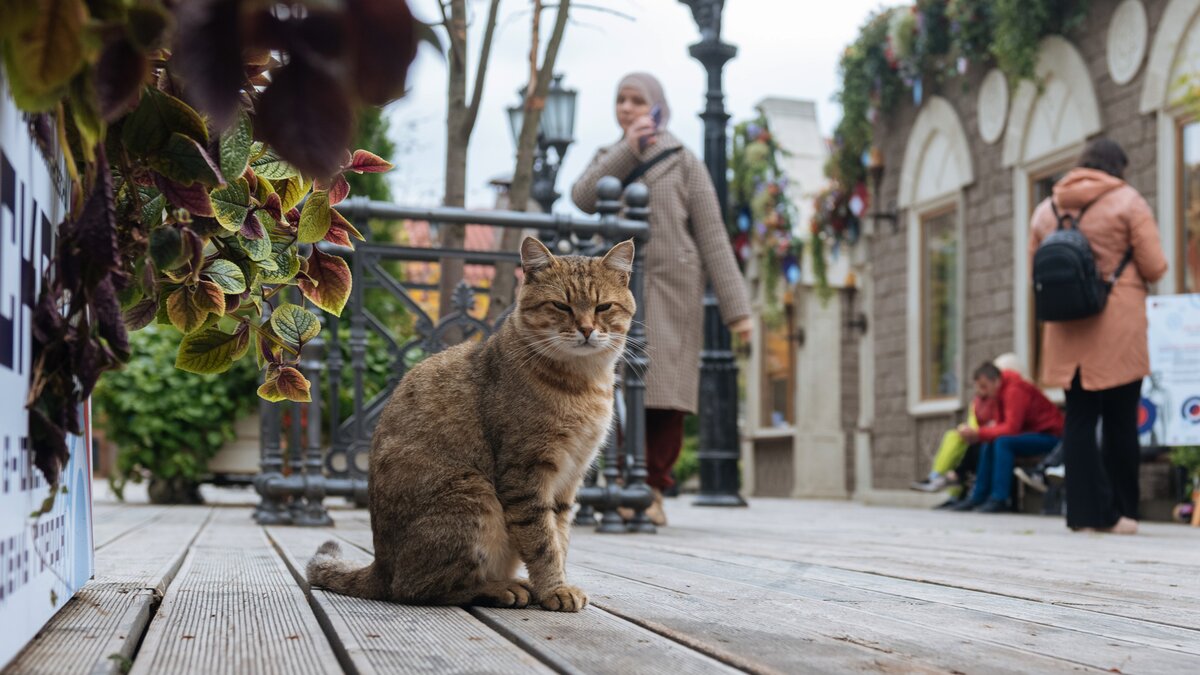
[(786, 48)]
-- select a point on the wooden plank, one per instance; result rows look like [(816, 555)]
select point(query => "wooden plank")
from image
[(234, 608), (863, 601), (111, 521), (591, 641), (383, 637), (98, 630)]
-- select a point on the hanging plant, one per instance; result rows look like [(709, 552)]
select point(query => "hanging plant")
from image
[(1020, 26), (206, 146), (762, 217)]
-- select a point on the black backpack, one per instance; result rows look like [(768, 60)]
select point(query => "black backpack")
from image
[(1066, 285)]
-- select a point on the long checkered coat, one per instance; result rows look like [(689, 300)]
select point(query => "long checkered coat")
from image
[(687, 240)]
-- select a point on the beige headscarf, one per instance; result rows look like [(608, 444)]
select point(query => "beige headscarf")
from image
[(651, 90)]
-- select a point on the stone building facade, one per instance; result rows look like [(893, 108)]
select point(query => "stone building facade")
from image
[(945, 287)]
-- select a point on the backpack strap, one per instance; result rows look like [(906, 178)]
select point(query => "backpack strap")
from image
[(645, 166), (1125, 260), (1074, 220)]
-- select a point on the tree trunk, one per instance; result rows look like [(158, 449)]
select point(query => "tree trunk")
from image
[(504, 285), (453, 236)]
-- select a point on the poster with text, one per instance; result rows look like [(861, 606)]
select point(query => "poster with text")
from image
[(45, 559), (1175, 366)]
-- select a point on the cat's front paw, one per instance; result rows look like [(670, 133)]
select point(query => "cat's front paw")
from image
[(565, 598), (514, 593)]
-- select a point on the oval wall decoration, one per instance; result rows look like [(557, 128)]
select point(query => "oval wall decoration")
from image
[(1127, 38), (993, 106)]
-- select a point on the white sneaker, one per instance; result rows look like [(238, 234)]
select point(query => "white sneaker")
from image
[(935, 483), (1055, 475)]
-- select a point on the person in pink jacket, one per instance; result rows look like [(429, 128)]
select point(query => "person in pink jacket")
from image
[(1100, 361)]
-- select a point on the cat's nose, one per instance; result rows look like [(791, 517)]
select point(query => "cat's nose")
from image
[(586, 331)]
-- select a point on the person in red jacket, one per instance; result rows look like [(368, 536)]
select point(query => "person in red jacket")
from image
[(1029, 425)]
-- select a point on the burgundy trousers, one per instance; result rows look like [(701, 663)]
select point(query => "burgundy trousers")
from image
[(664, 441)]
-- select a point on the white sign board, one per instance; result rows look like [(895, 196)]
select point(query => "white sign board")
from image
[(43, 560), (1175, 366)]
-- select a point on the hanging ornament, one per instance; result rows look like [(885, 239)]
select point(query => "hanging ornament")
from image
[(962, 65), (917, 92)]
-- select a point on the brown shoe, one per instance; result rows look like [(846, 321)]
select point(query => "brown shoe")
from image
[(655, 513)]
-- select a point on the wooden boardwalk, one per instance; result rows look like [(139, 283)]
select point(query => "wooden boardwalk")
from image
[(783, 586)]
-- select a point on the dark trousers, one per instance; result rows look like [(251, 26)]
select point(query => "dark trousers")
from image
[(993, 481), (1102, 483), (664, 441)]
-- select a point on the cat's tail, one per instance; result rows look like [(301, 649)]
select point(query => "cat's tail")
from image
[(328, 570)]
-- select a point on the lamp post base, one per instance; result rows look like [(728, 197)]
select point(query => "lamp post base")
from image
[(720, 500)]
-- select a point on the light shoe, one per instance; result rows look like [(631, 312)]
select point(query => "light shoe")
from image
[(654, 512), (1055, 475), (935, 483), (1032, 479)]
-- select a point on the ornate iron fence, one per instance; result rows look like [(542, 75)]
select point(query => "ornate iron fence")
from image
[(324, 449)]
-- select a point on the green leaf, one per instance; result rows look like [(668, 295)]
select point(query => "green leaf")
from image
[(295, 324), (226, 275), (16, 16), (185, 162), (286, 262), (152, 212), (211, 351), (209, 297), (269, 165), (314, 218), (235, 148), (48, 54), (232, 204), (166, 247), (328, 284), (183, 312), (291, 191), (149, 127), (258, 250), (140, 315)]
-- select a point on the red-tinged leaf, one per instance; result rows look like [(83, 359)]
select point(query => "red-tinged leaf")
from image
[(88, 248), (140, 315), (307, 117), (208, 55), (293, 385), (273, 206), (209, 297), (368, 162), (339, 190), (338, 235), (118, 78), (192, 198), (293, 216), (232, 302), (184, 161), (252, 228), (211, 351), (340, 221), (183, 312), (110, 325), (382, 45), (328, 284)]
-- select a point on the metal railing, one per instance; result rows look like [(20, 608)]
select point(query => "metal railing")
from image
[(325, 452)]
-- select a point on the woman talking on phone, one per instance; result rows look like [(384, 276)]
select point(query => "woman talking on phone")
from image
[(688, 242)]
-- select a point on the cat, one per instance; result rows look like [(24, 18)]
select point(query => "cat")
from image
[(479, 452)]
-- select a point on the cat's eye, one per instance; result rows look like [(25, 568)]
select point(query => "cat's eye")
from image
[(563, 307), (603, 308)]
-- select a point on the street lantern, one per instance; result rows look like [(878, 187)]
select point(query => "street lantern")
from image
[(556, 130)]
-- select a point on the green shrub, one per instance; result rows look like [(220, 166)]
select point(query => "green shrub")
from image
[(167, 422), (1188, 457)]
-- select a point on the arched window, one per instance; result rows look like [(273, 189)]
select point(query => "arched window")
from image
[(936, 168)]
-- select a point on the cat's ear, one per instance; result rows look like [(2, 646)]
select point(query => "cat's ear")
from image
[(620, 257), (535, 257)]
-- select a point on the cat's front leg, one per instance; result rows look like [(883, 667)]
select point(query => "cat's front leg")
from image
[(533, 528)]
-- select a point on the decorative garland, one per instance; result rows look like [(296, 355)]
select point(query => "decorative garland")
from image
[(762, 222), (900, 50)]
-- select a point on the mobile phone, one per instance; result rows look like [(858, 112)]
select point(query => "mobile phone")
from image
[(656, 115)]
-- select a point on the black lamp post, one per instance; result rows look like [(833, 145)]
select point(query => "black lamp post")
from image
[(556, 131), (719, 449)]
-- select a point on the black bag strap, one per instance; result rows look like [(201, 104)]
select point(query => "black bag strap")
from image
[(1066, 217), (645, 166), (1061, 218)]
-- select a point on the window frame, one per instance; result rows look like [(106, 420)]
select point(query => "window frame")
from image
[(919, 404), (1179, 227)]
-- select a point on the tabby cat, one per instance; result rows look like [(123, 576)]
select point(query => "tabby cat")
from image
[(479, 452)]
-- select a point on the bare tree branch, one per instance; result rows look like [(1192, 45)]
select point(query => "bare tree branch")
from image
[(481, 70)]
